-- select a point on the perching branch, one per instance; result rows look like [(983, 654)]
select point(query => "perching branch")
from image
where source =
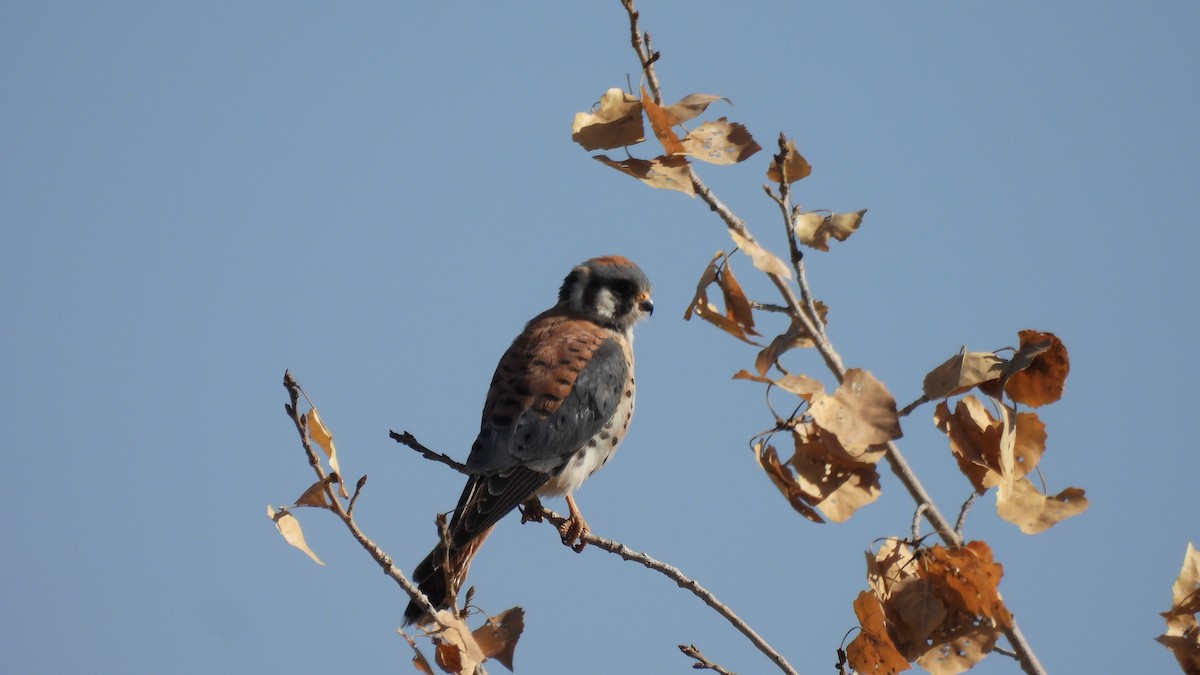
[(701, 662), (536, 512)]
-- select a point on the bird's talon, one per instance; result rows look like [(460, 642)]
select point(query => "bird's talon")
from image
[(531, 511)]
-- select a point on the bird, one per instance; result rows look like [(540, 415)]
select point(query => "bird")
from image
[(560, 401)]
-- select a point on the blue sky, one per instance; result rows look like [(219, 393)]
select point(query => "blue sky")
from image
[(197, 197)]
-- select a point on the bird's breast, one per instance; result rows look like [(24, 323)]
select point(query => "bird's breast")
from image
[(597, 450)]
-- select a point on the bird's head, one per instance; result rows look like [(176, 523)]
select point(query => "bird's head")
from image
[(612, 291)]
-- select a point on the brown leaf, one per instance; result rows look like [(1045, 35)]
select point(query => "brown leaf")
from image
[(289, 527), (796, 337), (1183, 635), (969, 578), (1185, 592), (872, 650), (961, 372), (794, 165), (958, 646), (737, 307), (782, 478), (616, 123), (1186, 649), (836, 485), (728, 320), (916, 611), (1033, 512), (763, 259), (418, 660), (667, 173), (315, 494), (661, 123), (1038, 371), (974, 437), (457, 651), (691, 106), (860, 412), (801, 385), (720, 142), (321, 436), (814, 229), (497, 637)]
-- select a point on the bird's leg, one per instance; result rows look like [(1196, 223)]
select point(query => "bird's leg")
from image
[(574, 528), (531, 511)]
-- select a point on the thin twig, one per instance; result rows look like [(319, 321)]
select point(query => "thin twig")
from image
[(916, 521), (962, 513), (702, 663), (683, 581), (411, 441), (382, 559)]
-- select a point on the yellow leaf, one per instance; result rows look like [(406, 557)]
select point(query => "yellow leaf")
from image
[(1033, 512), (763, 259), (661, 123), (616, 123), (961, 372), (814, 229), (793, 164), (289, 527), (860, 412), (666, 173), (497, 637), (691, 106), (321, 436), (720, 142)]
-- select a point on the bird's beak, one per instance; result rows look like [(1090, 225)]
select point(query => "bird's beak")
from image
[(646, 305)]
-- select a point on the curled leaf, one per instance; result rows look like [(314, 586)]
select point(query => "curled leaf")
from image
[(737, 319), (782, 478), (815, 229), (961, 372), (720, 142), (667, 173), (661, 123), (872, 650), (763, 259), (691, 106), (321, 436), (616, 122), (1027, 508), (497, 637), (789, 165)]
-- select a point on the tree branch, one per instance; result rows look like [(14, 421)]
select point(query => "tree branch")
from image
[(702, 663)]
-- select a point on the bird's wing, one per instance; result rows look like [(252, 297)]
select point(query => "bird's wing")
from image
[(554, 389)]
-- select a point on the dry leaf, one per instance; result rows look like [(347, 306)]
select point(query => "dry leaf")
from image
[(782, 478), (959, 648), (720, 142), (794, 165), (796, 337), (457, 651), (835, 484), (1033, 512), (814, 229), (736, 305), (970, 578), (961, 372), (667, 173), (289, 527), (315, 494), (801, 385), (321, 436), (975, 439), (661, 123), (497, 637), (1183, 635), (916, 611), (418, 660), (617, 122), (691, 106), (861, 412), (763, 259), (1038, 371), (872, 650)]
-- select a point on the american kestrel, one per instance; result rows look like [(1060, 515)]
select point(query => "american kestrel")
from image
[(559, 403)]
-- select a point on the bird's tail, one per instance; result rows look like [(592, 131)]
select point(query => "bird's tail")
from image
[(439, 576)]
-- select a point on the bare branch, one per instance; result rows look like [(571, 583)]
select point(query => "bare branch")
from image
[(962, 513), (683, 581), (916, 521), (702, 663)]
